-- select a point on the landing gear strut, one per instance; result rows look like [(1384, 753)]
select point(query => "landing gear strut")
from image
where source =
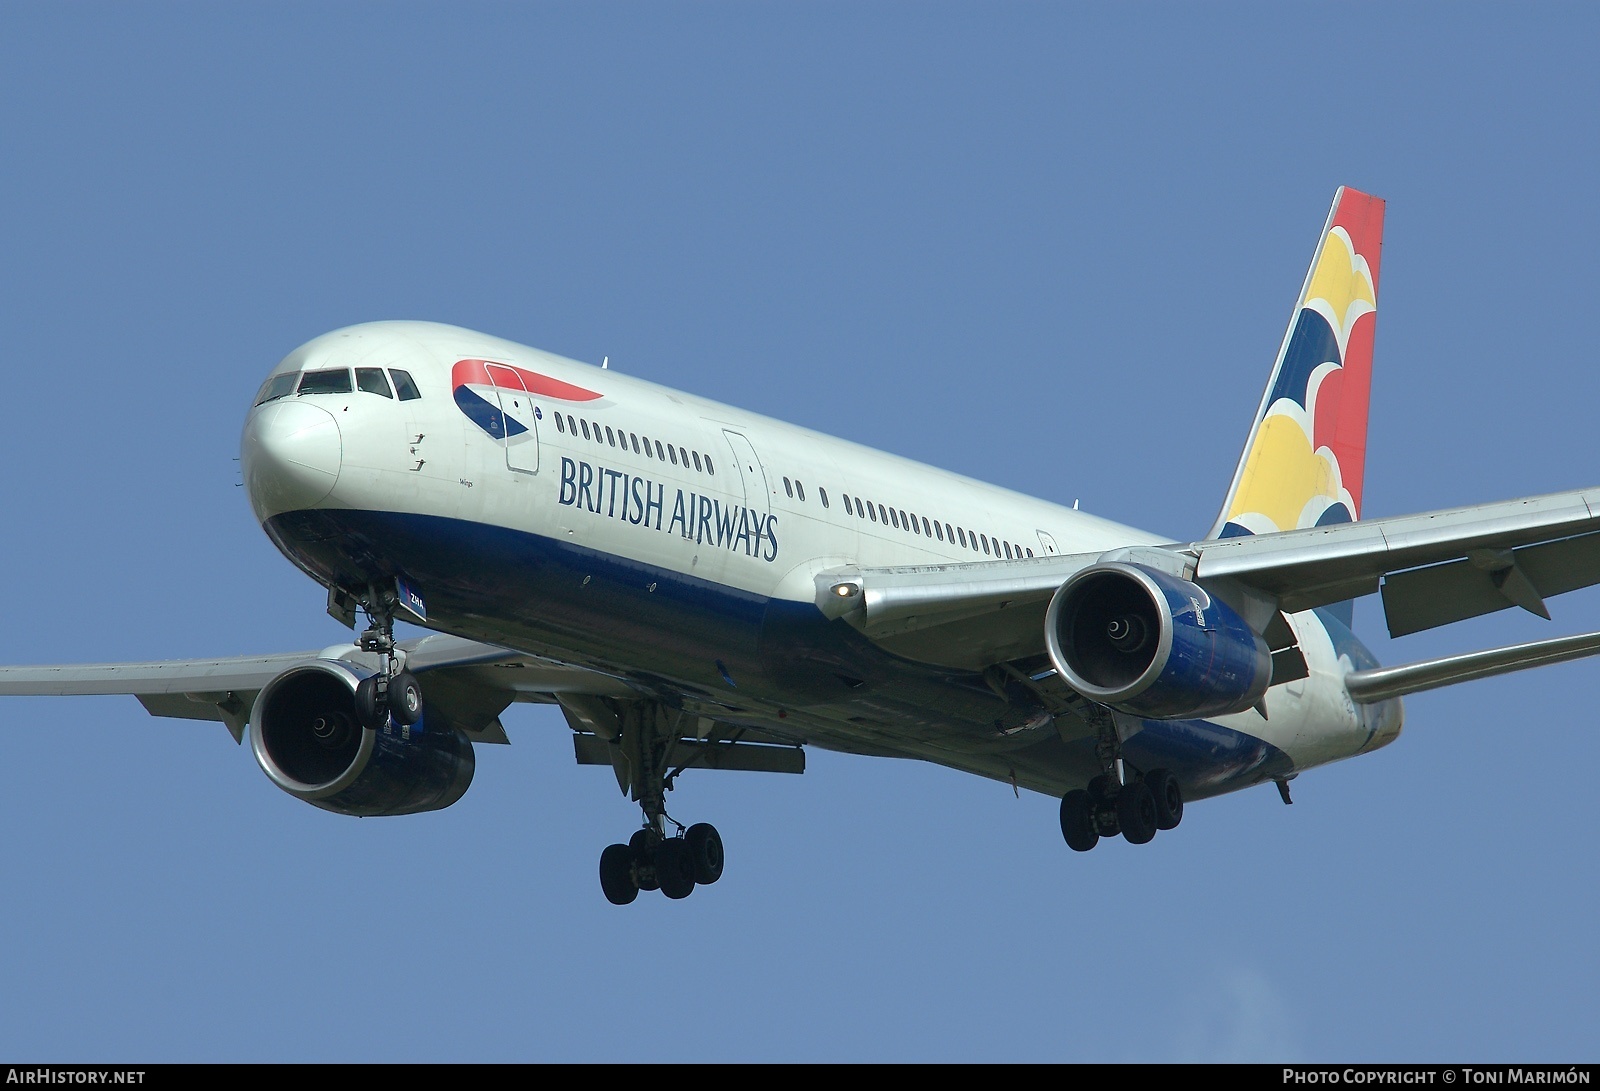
[(654, 859), (1119, 800), (392, 691)]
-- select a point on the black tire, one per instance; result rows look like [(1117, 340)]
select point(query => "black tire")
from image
[(1169, 798), (674, 868), (616, 875), (705, 852), (1102, 789), (405, 699), (370, 712), (639, 845), (1077, 821), (1136, 812)]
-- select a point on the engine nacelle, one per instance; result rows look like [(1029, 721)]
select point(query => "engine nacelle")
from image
[(308, 739), (1150, 644)]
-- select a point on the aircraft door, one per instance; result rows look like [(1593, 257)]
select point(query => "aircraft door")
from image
[(1048, 544), (751, 474), (522, 430)]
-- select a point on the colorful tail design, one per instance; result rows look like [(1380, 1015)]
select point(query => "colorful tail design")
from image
[(1303, 462)]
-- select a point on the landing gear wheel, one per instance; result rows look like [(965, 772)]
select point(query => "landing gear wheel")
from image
[(705, 852), (1102, 795), (1077, 821), (674, 868), (639, 845), (1168, 796), (371, 712), (616, 875), (1136, 812), (405, 699)]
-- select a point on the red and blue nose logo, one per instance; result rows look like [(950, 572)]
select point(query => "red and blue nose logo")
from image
[(479, 385)]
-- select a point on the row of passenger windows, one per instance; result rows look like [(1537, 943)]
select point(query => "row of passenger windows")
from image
[(663, 452), (336, 380), (912, 523)]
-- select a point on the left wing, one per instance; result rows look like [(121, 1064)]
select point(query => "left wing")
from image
[(1431, 569)]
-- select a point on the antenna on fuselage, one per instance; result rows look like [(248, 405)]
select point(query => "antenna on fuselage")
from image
[(605, 363)]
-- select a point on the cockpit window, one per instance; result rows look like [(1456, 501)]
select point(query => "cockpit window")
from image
[(331, 381), (372, 381), (404, 386), (279, 386)]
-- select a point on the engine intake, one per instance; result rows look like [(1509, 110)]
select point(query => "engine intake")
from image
[(1151, 644), (308, 739)]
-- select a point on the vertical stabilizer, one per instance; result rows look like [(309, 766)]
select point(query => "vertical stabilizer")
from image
[(1303, 462)]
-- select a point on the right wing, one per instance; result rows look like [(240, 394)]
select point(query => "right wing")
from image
[(468, 682)]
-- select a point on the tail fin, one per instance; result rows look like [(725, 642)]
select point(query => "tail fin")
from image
[(1303, 462)]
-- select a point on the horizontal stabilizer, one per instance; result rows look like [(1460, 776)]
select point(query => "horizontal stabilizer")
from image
[(1382, 683)]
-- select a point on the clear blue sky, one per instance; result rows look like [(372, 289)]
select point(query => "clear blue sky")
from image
[(1050, 246)]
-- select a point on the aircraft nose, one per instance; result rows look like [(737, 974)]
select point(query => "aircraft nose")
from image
[(290, 455)]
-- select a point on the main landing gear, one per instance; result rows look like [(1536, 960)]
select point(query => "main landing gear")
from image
[(1115, 802), (653, 859), (392, 691)]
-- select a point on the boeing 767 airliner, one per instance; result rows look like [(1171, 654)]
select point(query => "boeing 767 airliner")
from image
[(699, 587)]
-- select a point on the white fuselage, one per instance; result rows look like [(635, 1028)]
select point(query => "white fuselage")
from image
[(742, 503)]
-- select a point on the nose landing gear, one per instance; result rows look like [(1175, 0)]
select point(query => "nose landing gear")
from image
[(392, 691)]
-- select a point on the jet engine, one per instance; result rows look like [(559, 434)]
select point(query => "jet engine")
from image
[(1151, 644), (308, 739)]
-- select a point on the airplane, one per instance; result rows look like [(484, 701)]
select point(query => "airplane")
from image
[(699, 587)]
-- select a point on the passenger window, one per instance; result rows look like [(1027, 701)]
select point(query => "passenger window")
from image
[(279, 386), (1009, 557), (1030, 552), (659, 455), (916, 527), (883, 515), (961, 531), (927, 531), (800, 489), (685, 455), (648, 453), (949, 534), (560, 425), (610, 436), (939, 533), (599, 436), (633, 439), (404, 386), (898, 518), (372, 381), (696, 459), (985, 538), (710, 469), (673, 452), (331, 381), (788, 488), (823, 494), (585, 427), (873, 509), (572, 425)]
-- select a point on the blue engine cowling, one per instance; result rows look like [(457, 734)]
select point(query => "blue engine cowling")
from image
[(1150, 644), (308, 740)]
